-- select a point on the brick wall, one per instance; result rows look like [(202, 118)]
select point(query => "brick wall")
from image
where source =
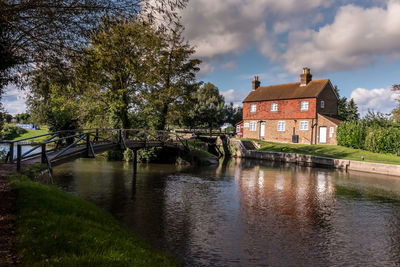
[(272, 133), (330, 99), (287, 109), (324, 122)]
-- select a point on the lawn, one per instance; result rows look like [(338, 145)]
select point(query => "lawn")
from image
[(31, 133), (330, 151), (59, 229)]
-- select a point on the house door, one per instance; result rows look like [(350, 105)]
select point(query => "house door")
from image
[(322, 135), (262, 130)]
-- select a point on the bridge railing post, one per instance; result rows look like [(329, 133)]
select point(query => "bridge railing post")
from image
[(43, 158), (19, 153), (96, 139), (87, 144), (11, 152)]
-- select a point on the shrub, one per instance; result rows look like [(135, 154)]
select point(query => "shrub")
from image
[(128, 154), (351, 134), (383, 140), (10, 131)]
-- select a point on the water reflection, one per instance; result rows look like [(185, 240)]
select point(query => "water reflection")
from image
[(244, 213)]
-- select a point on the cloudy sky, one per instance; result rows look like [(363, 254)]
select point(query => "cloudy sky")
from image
[(354, 43)]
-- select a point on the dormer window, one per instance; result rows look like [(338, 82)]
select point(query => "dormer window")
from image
[(274, 107), (253, 108), (322, 104), (304, 105)]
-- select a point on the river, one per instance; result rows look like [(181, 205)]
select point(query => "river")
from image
[(247, 212)]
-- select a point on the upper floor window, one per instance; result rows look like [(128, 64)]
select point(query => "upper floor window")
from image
[(281, 126), (253, 126), (304, 125), (304, 105), (253, 108), (274, 107), (322, 104)]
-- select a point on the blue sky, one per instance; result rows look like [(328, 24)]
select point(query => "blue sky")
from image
[(354, 43)]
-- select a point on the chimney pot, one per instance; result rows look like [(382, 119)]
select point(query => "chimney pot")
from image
[(256, 83), (305, 77)]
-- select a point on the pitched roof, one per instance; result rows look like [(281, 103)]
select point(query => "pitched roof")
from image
[(335, 119), (287, 91)]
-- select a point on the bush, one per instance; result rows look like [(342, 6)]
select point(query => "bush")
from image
[(147, 155), (114, 155), (10, 131), (383, 140), (351, 134), (128, 155)]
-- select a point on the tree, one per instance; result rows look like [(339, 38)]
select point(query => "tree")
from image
[(174, 74), (233, 114), (347, 109), (8, 117), (396, 111), (209, 109)]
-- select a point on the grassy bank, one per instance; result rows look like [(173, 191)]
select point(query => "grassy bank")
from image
[(330, 151), (32, 133), (59, 229)]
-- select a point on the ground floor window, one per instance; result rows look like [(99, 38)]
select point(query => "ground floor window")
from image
[(253, 126), (281, 126), (304, 125), (331, 131)]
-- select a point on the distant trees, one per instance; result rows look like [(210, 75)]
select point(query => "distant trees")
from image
[(347, 109)]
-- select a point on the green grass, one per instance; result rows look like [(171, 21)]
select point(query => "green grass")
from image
[(32, 133), (196, 145), (330, 151), (59, 229)]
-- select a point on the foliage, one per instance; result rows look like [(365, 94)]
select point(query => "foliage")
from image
[(23, 118), (347, 109), (148, 155), (383, 140), (209, 107), (330, 151), (233, 114), (10, 131), (128, 154), (173, 77), (114, 155), (378, 119), (351, 134), (8, 117), (60, 229)]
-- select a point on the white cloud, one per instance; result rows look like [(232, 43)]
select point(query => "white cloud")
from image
[(235, 96), (377, 100), (221, 27), (356, 38), (14, 100)]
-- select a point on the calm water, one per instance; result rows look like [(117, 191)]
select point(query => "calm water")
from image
[(249, 213)]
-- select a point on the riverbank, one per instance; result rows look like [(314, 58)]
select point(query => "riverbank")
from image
[(240, 148), (57, 228), (328, 151)]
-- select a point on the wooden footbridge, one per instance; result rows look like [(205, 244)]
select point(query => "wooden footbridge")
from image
[(58, 147)]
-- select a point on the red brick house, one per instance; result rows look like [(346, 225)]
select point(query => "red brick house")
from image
[(303, 112)]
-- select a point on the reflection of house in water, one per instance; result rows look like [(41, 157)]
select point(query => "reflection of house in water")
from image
[(291, 204)]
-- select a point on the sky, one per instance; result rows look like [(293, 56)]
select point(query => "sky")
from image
[(354, 43)]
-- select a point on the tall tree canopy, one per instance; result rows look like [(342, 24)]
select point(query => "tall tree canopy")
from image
[(347, 109)]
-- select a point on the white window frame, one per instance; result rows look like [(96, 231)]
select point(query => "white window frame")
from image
[(246, 125), (253, 126), (331, 131), (303, 125), (322, 104), (281, 126), (304, 105), (238, 128), (253, 108), (274, 107)]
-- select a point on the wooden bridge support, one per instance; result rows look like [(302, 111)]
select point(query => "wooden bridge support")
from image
[(134, 161), (19, 154)]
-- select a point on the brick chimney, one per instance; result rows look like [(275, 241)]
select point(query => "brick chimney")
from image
[(256, 83), (305, 77)]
